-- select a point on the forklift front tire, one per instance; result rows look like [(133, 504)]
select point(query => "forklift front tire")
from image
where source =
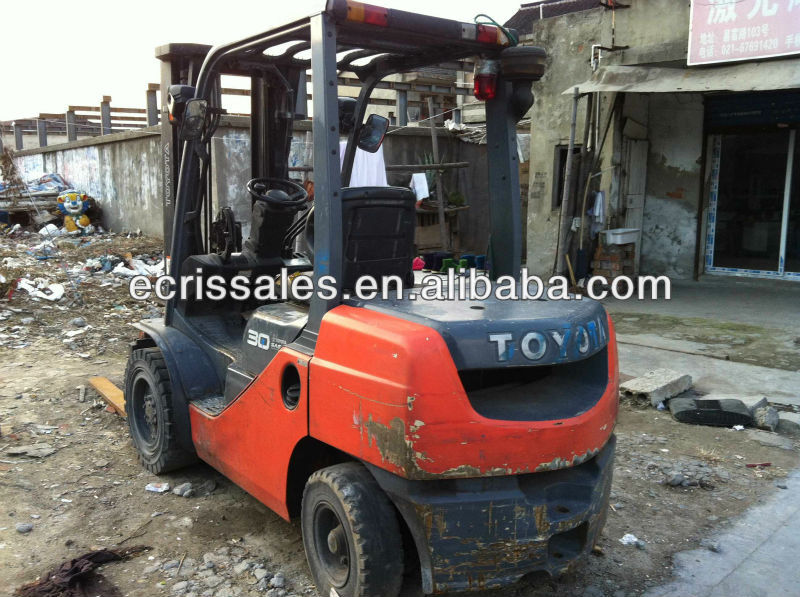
[(148, 404), (351, 534)]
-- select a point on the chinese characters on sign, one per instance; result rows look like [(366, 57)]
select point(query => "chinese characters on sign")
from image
[(730, 30)]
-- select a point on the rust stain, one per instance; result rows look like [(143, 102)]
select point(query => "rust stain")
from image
[(394, 447), (540, 517), (464, 470), (677, 193), (441, 523), (559, 463)]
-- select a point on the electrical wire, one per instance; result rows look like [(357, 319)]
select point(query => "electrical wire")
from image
[(490, 21)]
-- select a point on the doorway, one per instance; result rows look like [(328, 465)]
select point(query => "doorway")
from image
[(754, 207)]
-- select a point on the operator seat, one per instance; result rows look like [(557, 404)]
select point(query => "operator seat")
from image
[(377, 233), (261, 254)]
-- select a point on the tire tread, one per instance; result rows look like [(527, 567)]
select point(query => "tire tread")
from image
[(174, 457), (375, 529)]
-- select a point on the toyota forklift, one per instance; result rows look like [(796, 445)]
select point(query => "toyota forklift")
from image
[(468, 441)]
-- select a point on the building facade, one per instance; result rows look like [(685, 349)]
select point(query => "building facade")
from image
[(685, 117)]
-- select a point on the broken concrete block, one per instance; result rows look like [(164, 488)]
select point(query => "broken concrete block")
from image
[(789, 423), (657, 385), (721, 413), (184, 490), (753, 403), (766, 418)]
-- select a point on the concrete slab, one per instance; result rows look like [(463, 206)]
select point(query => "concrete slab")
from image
[(758, 554), (769, 303), (674, 344), (789, 423), (715, 376), (657, 385)]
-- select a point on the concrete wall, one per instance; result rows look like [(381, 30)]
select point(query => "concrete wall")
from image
[(122, 172), (656, 32), (669, 227), (568, 41)]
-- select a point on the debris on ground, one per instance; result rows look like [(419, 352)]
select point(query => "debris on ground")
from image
[(183, 490), (668, 390), (40, 450), (711, 545), (77, 577), (217, 572), (764, 416), (656, 386), (631, 539), (41, 288), (54, 286), (157, 487), (188, 489), (110, 393), (718, 413)]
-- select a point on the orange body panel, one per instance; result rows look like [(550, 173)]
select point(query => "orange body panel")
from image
[(252, 440), (386, 390)]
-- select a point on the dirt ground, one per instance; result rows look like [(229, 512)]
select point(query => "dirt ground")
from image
[(744, 343), (90, 491)]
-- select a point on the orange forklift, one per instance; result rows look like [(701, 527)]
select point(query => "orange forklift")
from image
[(471, 441)]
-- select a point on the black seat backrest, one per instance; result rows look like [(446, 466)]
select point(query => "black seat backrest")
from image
[(378, 229)]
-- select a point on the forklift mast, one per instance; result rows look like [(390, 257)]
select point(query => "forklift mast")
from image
[(277, 80)]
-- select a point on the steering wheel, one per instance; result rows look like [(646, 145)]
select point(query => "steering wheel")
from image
[(278, 193)]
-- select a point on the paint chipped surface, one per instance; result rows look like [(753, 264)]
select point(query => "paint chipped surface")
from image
[(559, 463)]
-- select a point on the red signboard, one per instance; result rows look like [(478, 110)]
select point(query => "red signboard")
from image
[(730, 30)]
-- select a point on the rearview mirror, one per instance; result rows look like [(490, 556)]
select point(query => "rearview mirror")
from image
[(372, 133), (194, 118), (177, 96)]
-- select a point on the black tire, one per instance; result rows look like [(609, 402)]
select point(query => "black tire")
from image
[(148, 405), (343, 504)]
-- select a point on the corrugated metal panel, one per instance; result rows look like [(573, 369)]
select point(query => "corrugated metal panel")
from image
[(753, 76)]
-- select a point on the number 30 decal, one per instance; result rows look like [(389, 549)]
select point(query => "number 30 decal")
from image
[(259, 339)]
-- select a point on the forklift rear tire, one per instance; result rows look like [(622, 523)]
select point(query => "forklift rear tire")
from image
[(148, 404), (351, 534)]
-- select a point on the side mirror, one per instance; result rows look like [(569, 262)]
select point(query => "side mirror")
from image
[(177, 96), (372, 133), (194, 118)]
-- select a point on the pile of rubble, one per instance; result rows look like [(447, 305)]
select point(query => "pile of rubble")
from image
[(219, 574), (667, 389), (52, 285)]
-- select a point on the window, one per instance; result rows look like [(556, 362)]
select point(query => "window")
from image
[(559, 170)]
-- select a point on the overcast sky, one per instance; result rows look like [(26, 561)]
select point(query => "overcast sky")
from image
[(55, 54)]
